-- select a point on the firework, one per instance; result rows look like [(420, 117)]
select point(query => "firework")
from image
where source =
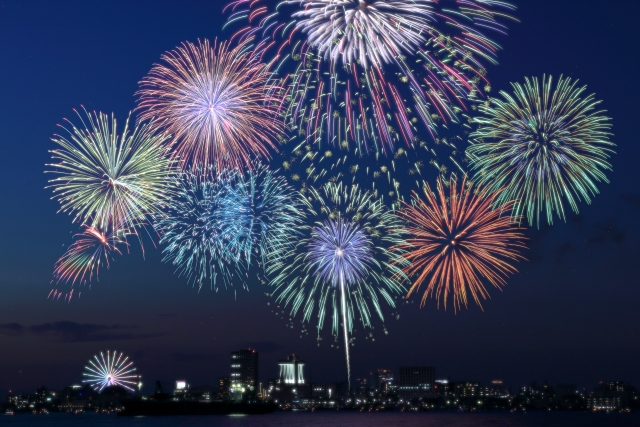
[(199, 242), (114, 370), (457, 240), (545, 145), (343, 263), (216, 101), (84, 257), (369, 72), (264, 212), (111, 180)]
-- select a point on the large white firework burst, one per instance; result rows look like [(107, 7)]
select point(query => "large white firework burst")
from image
[(367, 31)]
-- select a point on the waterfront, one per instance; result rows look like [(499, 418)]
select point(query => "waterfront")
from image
[(340, 419)]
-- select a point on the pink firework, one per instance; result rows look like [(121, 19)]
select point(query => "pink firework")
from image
[(218, 103)]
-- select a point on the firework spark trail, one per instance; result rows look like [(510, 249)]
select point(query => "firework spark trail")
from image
[(218, 103), (343, 262), (84, 257), (110, 180), (545, 145), (457, 240)]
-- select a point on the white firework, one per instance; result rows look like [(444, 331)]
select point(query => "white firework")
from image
[(369, 31), (114, 370)]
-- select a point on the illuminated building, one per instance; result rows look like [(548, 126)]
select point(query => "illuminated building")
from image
[(382, 380), (292, 371), (244, 373), (415, 381), (181, 390)]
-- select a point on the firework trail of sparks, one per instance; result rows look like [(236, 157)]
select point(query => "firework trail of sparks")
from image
[(343, 263), (109, 180), (216, 101), (544, 145), (84, 257), (457, 240)]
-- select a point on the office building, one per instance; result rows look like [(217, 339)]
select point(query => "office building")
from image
[(415, 381), (244, 372), (292, 371)]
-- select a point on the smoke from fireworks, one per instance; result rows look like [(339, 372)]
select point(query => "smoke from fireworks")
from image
[(457, 240), (217, 103), (545, 145)]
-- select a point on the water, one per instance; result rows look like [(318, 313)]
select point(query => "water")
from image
[(338, 419)]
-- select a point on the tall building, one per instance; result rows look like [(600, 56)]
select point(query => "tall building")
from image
[(382, 380), (415, 381), (244, 372), (292, 371)]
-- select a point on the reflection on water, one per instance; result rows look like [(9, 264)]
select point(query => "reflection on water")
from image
[(338, 419)]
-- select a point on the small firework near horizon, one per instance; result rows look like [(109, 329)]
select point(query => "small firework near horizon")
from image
[(114, 370)]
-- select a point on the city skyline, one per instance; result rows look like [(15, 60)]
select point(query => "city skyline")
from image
[(568, 316)]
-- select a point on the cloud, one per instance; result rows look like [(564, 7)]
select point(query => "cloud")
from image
[(66, 331), (262, 346), (13, 329)]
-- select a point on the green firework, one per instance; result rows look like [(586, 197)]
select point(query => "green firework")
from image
[(545, 145)]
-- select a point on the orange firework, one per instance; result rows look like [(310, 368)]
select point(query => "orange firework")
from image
[(459, 240)]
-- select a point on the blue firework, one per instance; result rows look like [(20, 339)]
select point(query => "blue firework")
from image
[(200, 242)]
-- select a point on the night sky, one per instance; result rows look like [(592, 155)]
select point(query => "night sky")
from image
[(570, 316)]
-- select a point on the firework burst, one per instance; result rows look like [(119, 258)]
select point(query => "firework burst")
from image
[(545, 145), (221, 219), (199, 242), (111, 180), (114, 370), (216, 101), (457, 240), (342, 265), (84, 257), (265, 213), (369, 72)]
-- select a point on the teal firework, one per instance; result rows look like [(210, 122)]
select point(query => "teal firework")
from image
[(265, 212), (343, 266), (546, 146), (220, 221)]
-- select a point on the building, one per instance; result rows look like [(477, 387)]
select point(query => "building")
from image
[(415, 381), (224, 385), (291, 384), (244, 373), (292, 371), (382, 380)]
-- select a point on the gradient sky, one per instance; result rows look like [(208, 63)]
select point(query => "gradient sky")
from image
[(570, 316)]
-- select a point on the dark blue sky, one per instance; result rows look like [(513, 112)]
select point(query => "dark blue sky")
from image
[(570, 315)]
